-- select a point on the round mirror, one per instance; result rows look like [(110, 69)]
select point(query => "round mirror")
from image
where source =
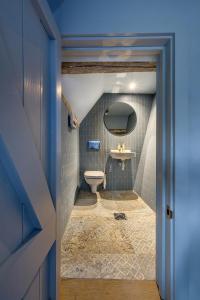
[(120, 118)]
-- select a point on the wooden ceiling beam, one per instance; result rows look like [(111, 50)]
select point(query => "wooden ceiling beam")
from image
[(107, 67)]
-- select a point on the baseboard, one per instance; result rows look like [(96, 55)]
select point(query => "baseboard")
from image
[(76, 193)]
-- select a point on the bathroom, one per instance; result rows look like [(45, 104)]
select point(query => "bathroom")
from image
[(109, 176)]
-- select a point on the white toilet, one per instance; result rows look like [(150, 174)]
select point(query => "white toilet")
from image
[(94, 178)]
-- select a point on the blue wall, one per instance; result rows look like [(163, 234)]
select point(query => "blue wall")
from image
[(145, 182), (181, 18), (93, 128), (69, 167), (54, 4)]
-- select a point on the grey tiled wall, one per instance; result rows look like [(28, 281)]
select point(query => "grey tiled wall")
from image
[(69, 167), (145, 183), (92, 127)]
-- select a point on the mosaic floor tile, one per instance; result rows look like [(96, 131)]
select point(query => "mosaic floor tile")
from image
[(95, 245)]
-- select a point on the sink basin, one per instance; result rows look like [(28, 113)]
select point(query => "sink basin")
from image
[(122, 155)]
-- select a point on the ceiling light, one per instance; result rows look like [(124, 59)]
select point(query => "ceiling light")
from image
[(132, 85), (121, 75)]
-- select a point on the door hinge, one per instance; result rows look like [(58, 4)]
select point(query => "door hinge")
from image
[(169, 212)]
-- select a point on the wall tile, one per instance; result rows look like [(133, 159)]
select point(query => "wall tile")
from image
[(145, 183), (92, 127), (69, 167)]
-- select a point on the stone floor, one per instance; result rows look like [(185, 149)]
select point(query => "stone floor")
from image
[(95, 245)]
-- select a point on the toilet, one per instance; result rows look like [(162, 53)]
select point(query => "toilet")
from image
[(94, 178)]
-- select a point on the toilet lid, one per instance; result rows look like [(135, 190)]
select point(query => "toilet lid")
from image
[(94, 174)]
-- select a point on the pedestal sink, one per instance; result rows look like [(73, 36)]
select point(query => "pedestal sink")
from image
[(122, 155)]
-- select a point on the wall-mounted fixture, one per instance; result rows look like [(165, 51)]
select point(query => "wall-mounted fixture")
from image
[(73, 122), (120, 118), (94, 145), (122, 155)]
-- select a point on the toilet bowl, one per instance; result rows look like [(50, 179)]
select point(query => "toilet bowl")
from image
[(94, 178)]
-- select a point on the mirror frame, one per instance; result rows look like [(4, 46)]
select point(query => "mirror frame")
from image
[(124, 133)]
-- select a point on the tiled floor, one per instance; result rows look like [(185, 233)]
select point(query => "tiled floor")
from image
[(95, 245)]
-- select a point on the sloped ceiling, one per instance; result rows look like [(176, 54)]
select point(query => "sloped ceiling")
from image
[(83, 91), (54, 4)]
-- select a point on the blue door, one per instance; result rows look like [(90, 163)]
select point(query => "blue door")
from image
[(27, 214)]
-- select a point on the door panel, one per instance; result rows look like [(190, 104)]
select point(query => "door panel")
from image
[(27, 224), (11, 34), (45, 104), (36, 81), (32, 52), (34, 290), (32, 89), (44, 278), (27, 214), (39, 286), (9, 202)]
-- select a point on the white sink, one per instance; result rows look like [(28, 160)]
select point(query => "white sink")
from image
[(122, 155)]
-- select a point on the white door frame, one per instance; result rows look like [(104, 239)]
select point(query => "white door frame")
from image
[(127, 47)]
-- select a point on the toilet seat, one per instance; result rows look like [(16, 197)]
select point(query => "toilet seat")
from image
[(94, 174)]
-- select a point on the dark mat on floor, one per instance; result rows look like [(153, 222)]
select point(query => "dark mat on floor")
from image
[(119, 195), (85, 199)]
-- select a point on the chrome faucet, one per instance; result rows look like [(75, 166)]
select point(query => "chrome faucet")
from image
[(121, 147)]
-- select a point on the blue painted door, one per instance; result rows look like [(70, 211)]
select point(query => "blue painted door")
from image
[(27, 214)]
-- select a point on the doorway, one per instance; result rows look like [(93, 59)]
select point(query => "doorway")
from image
[(162, 47)]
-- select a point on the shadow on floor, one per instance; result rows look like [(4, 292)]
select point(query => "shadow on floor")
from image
[(118, 195), (86, 199)]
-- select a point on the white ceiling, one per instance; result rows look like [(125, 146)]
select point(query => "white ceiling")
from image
[(83, 90)]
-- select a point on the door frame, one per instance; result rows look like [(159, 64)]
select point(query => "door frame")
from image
[(128, 47), (46, 18)]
